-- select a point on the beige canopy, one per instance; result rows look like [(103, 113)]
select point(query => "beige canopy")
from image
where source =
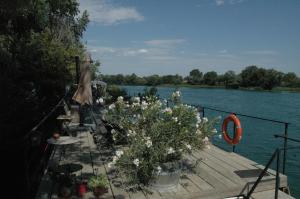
[(83, 94)]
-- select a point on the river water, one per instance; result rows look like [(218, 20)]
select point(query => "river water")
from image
[(258, 142)]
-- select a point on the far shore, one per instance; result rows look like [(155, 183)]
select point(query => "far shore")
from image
[(276, 89)]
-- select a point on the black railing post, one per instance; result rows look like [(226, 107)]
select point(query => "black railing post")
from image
[(286, 125), (202, 111), (277, 174), (262, 174)]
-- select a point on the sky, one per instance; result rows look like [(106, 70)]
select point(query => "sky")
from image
[(162, 37)]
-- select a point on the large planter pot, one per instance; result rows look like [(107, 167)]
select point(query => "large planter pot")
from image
[(99, 191), (168, 178)]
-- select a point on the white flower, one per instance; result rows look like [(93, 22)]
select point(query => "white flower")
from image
[(214, 131), (158, 102), (135, 104), (176, 94), (119, 153), (149, 143), (198, 118), (167, 110), (112, 106), (120, 98), (137, 99), (197, 125), (113, 131), (158, 168), (205, 139), (148, 138), (131, 133), (205, 119), (188, 146), (136, 162), (109, 165), (115, 159), (170, 150), (144, 105), (175, 119)]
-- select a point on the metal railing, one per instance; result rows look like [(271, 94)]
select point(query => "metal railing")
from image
[(286, 125), (275, 155), (36, 150)]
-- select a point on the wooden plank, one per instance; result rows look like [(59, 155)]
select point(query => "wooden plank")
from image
[(270, 194), (211, 176), (235, 159), (220, 167)]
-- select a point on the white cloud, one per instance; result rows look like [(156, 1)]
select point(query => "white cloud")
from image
[(223, 51), (236, 1), (220, 2), (133, 52), (261, 52), (231, 2), (164, 42), (101, 51), (104, 12)]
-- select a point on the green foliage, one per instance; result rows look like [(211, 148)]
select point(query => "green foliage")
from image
[(99, 180), (210, 78), (157, 134), (38, 42), (114, 92), (195, 77), (251, 76)]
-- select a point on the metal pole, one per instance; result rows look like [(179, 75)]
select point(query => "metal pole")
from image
[(262, 174), (202, 112), (277, 174), (286, 125), (77, 62)]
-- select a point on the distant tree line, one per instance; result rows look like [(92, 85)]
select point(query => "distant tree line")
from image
[(251, 76)]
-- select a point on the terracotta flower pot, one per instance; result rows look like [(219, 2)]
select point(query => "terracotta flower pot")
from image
[(99, 191), (81, 189), (56, 135)]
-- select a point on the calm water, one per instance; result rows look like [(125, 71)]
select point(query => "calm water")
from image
[(258, 142)]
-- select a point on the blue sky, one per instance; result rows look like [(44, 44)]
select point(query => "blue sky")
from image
[(175, 36)]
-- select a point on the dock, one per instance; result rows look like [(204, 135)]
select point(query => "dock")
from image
[(209, 174)]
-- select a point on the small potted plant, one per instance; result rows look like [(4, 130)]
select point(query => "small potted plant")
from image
[(98, 184)]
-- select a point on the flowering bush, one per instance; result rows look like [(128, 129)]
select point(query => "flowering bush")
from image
[(156, 134)]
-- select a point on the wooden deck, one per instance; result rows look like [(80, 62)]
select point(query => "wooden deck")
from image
[(215, 173)]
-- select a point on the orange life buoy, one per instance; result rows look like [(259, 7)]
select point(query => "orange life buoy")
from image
[(238, 130)]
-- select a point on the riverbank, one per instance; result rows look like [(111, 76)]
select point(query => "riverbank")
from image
[(276, 89)]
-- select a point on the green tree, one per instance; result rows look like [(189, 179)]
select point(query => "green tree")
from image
[(210, 78), (195, 77), (250, 77), (271, 79), (38, 42), (153, 80), (290, 79)]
